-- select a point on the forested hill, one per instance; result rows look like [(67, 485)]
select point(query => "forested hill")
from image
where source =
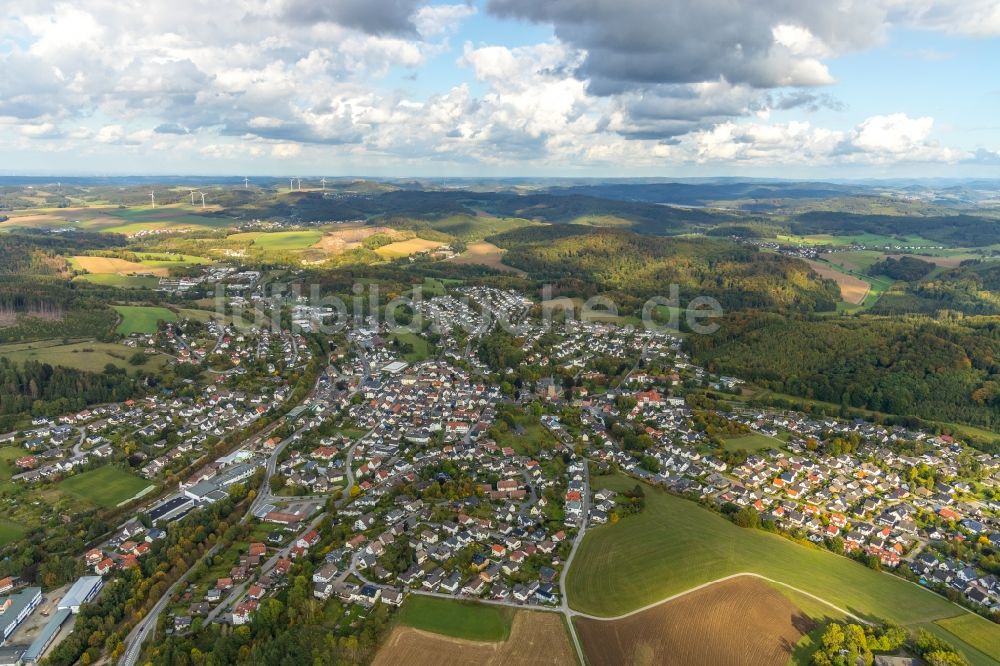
[(957, 230), (637, 267), (944, 371), (41, 389)]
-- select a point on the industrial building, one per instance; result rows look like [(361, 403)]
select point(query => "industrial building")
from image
[(83, 590), (14, 609)]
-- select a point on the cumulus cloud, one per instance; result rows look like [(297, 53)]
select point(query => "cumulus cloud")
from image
[(642, 82)]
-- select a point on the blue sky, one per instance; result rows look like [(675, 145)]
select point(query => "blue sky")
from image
[(599, 88)]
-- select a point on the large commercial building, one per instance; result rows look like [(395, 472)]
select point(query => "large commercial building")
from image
[(83, 590), (14, 609)]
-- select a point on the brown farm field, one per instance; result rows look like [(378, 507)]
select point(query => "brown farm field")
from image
[(119, 266), (485, 254), (708, 626), (536, 639), (406, 248), (944, 262), (350, 237), (852, 290)]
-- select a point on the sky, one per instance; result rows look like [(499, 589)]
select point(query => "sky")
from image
[(586, 88)]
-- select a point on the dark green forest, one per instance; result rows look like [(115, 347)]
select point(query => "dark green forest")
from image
[(945, 371)]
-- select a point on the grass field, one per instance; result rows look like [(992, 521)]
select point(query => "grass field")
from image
[(475, 228), (279, 240), (752, 442), (121, 281), (111, 265), (674, 545), (405, 248), (9, 533), (105, 486), (536, 639), (852, 289), (141, 318), (90, 356), (422, 349), (468, 620), (8, 455)]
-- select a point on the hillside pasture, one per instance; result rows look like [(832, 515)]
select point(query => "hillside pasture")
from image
[(90, 356), (141, 318), (104, 487), (708, 626), (459, 619), (675, 545), (119, 281), (536, 639), (279, 240)]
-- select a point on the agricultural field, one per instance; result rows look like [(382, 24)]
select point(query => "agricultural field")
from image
[(279, 240), (105, 486), (674, 545), (853, 290), (8, 454), (708, 626), (476, 228), (141, 318), (751, 442), (113, 266), (485, 254), (405, 248), (120, 281), (114, 219), (349, 237), (536, 639), (468, 620), (89, 356)]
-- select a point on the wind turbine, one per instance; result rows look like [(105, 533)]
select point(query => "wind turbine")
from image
[(291, 182), (300, 183), (323, 182), (202, 199), (192, 197), (152, 199), (246, 183)]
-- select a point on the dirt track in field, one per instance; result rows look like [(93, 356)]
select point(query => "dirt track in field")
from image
[(738, 622), (536, 639)]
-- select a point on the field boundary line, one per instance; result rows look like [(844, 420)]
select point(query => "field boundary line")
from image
[(714, 582)]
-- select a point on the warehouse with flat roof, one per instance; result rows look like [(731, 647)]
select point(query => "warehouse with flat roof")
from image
[(83, 590), (16, 608)]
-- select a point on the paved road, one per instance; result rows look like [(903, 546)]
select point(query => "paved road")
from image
[(564, 600)]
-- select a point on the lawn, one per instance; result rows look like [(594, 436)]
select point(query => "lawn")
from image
[(461, 619), (89, 356), (674, 545), (105, 486), (141, 319), (752, 442)]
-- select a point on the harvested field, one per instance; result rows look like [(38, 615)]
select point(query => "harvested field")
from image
[(117, 266), (405, 248), (485, 254), (349, 238), (944, 262), (535, 639), (709, 626), (852, 290)]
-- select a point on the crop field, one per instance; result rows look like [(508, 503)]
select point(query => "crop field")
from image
[(536, 639), (349, 237), (708, 626), (105, 486), (406, 248), (90, 356), (485, 254), (852, 289), (853, 260), (674, 545), (279, 240), (752, 442), (141, 318), (468, 620), (110, 265)]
